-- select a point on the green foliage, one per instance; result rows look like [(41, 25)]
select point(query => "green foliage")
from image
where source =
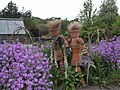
[(107, 17), (37, 26), (104, 74), (10, 11), (36, 21), (108, 12), (84, 33), (64, 25), (87, 18), (117, 22), (116, 32), (102, 22), (27, 18), (57, 78), (72, 81), (116, 25)]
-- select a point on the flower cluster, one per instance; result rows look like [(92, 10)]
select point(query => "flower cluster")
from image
[(109, 50), (22, 67)]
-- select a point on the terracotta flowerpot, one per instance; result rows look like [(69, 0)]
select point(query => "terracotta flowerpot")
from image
[(74, 33), (76, 57), (58, 55), (75, 44), (55, 32)]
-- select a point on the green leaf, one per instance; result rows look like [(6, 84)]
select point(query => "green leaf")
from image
[(67, 88), (71, 84), (77, 74), (92, 64), (73, 88)]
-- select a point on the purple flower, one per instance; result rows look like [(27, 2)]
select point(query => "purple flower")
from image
[(108, 50), (21, 66), (29, 87), (118, 61)]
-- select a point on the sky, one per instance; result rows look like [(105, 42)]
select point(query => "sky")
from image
[(53, 8)]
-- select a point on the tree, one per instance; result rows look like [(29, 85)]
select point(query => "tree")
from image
[(116, 27), (108, 12), (64, 24), (107, 16), (10, 11), (86, 17), (27, 17), (36, 21)]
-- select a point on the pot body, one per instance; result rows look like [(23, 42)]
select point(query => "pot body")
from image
[(76, 57)]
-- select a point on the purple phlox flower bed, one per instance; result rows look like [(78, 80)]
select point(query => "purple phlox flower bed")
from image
[(108, 50), (22, 67)]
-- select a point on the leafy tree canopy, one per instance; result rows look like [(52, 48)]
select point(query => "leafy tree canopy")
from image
[(108, 12), (10, 11)]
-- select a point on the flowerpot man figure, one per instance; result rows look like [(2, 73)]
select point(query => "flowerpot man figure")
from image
[(76, 45), (57, 39)]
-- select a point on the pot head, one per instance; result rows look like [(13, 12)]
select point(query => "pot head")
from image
[(54, 25), (74, 33), (74, 29), (55, 32)]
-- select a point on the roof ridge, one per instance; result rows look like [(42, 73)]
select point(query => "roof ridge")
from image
[(15, 19)]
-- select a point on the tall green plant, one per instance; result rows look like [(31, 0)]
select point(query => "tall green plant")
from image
[(107, 16), (86, 17), (108, 12)]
